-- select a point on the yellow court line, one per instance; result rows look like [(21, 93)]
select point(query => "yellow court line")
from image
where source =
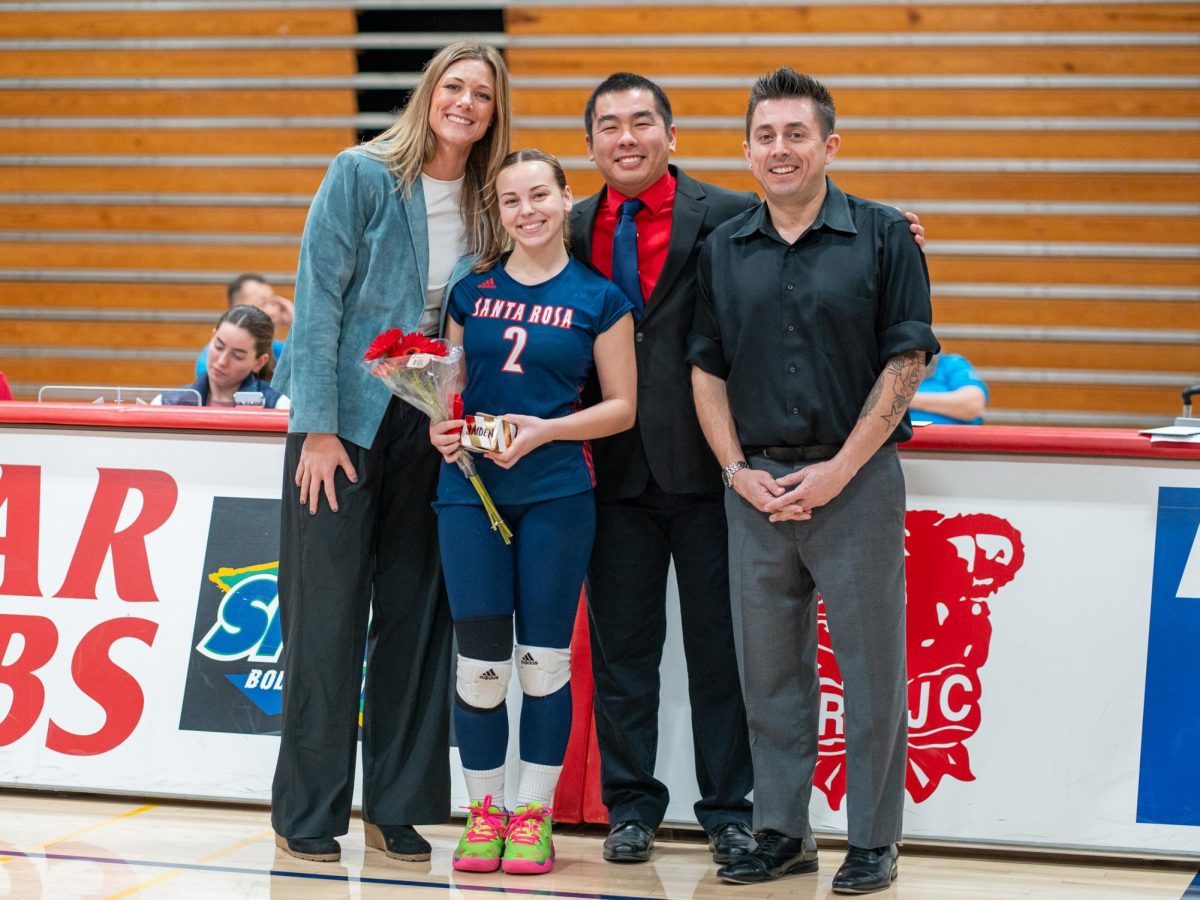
[(86, 828), (175, 873)]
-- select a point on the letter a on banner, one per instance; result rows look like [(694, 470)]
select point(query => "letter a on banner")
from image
[(1169, 781)]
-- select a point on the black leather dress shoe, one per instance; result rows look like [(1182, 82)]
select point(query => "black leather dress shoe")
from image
[(397, 841), (866, 871), (314, 849), (777, 855), (629, 842), (731, 841)]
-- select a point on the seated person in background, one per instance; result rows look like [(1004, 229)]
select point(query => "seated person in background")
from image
[(239, 358), (253, 290), (951, 394), (5, 390)]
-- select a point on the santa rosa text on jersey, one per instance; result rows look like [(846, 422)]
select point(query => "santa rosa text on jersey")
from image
[(513, 311)]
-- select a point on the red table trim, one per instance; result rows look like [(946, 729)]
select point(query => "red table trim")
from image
[(174, 418), (1046, 441)]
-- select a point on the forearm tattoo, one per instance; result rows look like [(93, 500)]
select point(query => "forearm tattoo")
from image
[(903, 374)]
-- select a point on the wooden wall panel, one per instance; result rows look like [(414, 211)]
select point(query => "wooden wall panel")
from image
[(1183, 314), (165, 141), (900, 101), (187, 219), (912, 18), (858, 143), (162, 296), (1155, 402), (826, 61), (119, 335), (67, 369), (174, 63), (150, 256), (1077, 355), (151, 23), (174, 103), (161, 180), (1018, 186)]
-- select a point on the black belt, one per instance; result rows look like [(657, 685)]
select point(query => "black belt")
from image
[(795, 454)]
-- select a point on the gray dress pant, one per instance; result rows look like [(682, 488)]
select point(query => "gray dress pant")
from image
[(377, 559), (852, 553)]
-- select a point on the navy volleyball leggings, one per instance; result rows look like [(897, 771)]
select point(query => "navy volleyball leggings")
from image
[(537, 580)]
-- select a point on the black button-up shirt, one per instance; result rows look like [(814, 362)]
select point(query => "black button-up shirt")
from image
[(801, 332)]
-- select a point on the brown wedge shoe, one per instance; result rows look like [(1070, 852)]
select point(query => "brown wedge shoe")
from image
[(398, 841)]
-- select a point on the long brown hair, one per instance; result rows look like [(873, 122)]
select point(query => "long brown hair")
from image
[(410, 142), (259, 326), (501, 241)]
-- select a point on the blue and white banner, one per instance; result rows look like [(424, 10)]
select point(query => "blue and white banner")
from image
[(1169, 780)]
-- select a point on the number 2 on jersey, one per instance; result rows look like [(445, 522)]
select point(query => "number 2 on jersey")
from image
[(518, 336)]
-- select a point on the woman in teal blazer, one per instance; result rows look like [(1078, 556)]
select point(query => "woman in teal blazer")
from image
[(358, 541)]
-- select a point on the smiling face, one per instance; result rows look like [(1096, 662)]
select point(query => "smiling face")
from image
[(629, 143), (463, 103), (786, 151), (533, 208), (231, 357)]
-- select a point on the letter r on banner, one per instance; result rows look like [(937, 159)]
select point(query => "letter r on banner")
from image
[(1169, 780)]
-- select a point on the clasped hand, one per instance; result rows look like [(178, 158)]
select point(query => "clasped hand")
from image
[(810, 487)]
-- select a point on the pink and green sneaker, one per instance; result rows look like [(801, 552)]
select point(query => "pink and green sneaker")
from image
[(482, 843), (529, 844)]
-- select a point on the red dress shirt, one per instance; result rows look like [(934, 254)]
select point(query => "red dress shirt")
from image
[(653, 230)]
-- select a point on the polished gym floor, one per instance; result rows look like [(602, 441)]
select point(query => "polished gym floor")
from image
[(62, 848)]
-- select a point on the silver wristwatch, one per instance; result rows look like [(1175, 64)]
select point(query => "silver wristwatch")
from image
[(732, 469)]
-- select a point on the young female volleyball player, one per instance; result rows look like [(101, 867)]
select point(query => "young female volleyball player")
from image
[(533, 323)]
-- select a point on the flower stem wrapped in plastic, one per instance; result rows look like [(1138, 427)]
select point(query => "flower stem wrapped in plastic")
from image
[(430, 374)]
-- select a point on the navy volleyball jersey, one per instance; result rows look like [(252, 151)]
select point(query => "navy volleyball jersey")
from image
[(529, 351)]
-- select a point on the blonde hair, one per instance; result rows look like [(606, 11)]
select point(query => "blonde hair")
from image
[(501, 241), (410, 142)]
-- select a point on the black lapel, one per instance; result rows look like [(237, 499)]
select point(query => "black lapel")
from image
[(583, 223), (686, 220)]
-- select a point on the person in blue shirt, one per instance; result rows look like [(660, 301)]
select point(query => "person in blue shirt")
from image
[(533, 323), (951, 394), (253, 290), (239, 359)]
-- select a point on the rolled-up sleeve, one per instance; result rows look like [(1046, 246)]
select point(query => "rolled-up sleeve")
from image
[(905, 311), (704, 348), (328, 250)]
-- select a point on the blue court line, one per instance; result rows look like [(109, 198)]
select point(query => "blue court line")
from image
[(1193, 889), (318, 876)]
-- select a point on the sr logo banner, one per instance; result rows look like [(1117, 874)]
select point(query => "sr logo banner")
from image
[(234, 680)]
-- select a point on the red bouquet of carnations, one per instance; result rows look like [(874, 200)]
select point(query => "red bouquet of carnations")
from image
[(429, 374)]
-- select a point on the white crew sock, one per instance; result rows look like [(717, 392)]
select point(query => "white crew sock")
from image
[(482, 782), (537, 784)]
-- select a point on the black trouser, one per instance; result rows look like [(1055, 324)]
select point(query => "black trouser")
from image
[(376, 556), (635, 541)]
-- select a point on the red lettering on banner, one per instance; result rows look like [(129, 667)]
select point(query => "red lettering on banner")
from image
[(131, 566), (20, 497), (108, 684), (39, 638), (953, 564)]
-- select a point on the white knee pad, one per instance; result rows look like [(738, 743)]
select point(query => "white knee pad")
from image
[(482, 684), (542, 670)]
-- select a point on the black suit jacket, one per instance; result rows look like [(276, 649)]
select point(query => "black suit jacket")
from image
[(666, 440)]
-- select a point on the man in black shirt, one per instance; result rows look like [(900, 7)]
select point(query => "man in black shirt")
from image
[(812, 331)]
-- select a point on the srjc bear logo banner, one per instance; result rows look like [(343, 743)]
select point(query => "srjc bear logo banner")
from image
[(953, 565)]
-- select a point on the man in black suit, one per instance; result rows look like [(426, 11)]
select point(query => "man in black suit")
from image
[(659, 494)]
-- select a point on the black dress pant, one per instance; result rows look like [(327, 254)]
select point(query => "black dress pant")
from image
[(635, 542), (375, 560)]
